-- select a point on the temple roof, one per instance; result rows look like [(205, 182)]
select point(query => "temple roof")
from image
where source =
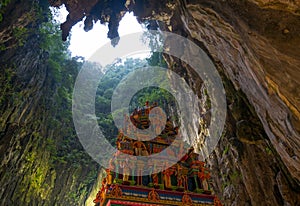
[(186, 182)]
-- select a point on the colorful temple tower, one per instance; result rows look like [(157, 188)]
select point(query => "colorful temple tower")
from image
[(185, 183)]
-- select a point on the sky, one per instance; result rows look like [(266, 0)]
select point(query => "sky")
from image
[(87, 43)]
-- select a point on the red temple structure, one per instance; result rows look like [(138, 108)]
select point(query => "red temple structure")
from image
[(185, 183)]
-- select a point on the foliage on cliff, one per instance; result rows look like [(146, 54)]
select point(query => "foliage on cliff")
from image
[(42, 160)]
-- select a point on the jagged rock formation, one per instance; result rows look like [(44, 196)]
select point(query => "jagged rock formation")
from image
[(254, 45), (250, 54), (41, 160)]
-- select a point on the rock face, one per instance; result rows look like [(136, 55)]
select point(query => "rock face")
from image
[(41, 160), (253, 43), (256, 49)]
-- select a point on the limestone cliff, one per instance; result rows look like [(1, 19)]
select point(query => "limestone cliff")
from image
[(253, 43), (256, 49), (42, 161)]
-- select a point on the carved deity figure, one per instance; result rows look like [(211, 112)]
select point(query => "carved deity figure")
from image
[(217, 202), (155, 179), (109, 177), (139, 147), (180, 177), (102, 191), (153, 195), (119, 139), (126, 169), (187, 200), (167, 178)]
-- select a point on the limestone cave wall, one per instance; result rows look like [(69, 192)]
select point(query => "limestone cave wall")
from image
[(253, 43), (42, 161)]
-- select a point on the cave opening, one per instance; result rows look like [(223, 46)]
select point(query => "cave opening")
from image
[(85, 43), (253, 45)]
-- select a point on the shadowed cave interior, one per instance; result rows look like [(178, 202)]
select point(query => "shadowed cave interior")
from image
[(253, 44)]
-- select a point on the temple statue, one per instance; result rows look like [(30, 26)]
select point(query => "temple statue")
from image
[(167, 178), (139, 147), (126, 169), (187, 180)]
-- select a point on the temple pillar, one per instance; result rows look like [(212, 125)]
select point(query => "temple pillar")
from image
[(140, 166), (196, 182)]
